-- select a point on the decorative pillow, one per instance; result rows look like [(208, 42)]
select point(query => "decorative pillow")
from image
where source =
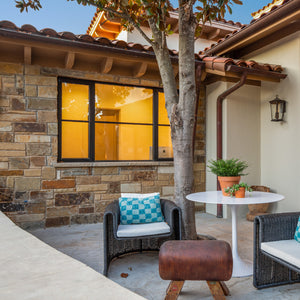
[(139, 210), (136, 195), (297, 232)]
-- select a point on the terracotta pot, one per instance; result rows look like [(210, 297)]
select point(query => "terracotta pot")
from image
[(228, 181), (240, 193)]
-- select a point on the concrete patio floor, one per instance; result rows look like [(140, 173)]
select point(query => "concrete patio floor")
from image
[(84, 243)]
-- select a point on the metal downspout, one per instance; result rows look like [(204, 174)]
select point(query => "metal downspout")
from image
[(220, 100)]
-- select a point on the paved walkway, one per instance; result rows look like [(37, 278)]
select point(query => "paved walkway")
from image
[(31, 269), (84, 242)]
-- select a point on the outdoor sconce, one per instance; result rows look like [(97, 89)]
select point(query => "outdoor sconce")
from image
[(277, 109)]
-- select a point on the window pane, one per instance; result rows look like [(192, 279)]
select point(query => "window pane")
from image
[(123, 142), (165, 149), (133, 104), (106, 141), (74, 140), (75, 101), (162, 112)]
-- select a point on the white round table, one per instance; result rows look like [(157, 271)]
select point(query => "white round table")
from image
[(241, 268)]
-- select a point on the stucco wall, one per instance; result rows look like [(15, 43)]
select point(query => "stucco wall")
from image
[(241, 132), (172, 39), (280, 142)]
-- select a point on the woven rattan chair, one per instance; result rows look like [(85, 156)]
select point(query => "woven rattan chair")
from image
[(268, 270), (115, 246)]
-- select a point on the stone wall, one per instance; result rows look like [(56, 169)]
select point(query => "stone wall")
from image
[(35, 190)]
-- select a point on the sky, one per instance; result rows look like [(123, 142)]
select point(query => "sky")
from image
[(62, 15)]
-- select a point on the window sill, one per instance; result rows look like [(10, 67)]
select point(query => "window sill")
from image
[(112, 164)]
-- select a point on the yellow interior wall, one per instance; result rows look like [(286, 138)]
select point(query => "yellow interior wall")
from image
[(75, 106), (165, 149)]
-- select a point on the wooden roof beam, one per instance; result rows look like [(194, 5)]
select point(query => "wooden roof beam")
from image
[(140, 69), (214, 34), (106, 65), (69, 60)]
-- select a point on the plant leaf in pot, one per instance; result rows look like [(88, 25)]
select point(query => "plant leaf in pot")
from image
[(229, 171), (238, 190)]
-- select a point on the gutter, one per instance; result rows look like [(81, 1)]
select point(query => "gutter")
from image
[(289, 10)]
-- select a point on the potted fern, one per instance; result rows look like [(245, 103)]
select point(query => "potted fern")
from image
[(229, 171)]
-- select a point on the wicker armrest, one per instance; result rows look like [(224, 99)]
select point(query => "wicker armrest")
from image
[(172, 214), (275, 227), (112, 210)]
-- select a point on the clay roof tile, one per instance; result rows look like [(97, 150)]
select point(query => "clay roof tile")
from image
[(29, 28), (8, 25), (67, 35), (103, 40), (49, 32), (86, 38)]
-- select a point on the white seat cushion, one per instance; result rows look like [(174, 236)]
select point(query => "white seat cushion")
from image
[(287, 250), (133, 230)]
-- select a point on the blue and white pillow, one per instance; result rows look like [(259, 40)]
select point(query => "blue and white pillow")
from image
[(297, 232), (140, 209)]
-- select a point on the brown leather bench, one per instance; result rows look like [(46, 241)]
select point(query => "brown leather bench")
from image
[(209, 260)]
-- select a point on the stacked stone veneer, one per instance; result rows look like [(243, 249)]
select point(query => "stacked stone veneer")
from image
[(35, 190)]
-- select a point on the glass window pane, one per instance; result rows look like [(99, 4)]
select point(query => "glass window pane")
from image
[(106, 141), (75, 101), (165, 149), (162, 112), (74, 140), (123, 142), (134, 104)]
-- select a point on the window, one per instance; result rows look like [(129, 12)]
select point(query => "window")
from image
[(127, 123)]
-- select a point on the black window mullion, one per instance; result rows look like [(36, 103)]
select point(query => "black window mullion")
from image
[(155, 127), (92, 122), (59, 125)]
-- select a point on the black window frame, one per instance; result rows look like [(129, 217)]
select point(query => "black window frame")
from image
[(91, 121)]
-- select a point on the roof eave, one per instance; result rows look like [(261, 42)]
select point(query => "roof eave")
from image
[(289, 12)]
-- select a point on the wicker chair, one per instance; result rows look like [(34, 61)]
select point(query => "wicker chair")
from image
[(115, 246), (268, 270)]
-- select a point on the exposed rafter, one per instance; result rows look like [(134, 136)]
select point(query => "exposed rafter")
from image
[(70, 60), (106, 65), (140, 69)]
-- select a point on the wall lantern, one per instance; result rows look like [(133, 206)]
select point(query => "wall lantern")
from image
[(277, 109)]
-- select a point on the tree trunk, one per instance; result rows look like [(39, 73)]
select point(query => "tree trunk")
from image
[(182, 134), (181, 112)]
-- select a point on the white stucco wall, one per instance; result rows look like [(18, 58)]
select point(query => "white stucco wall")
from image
[(172, 40), (280, 142), (241, 132)]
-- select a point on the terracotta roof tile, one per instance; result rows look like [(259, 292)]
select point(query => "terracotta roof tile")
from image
[(49, 32), (8, 25), (268, 8), (212, 62), (222, 63), (29, 28), (68, 35)]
